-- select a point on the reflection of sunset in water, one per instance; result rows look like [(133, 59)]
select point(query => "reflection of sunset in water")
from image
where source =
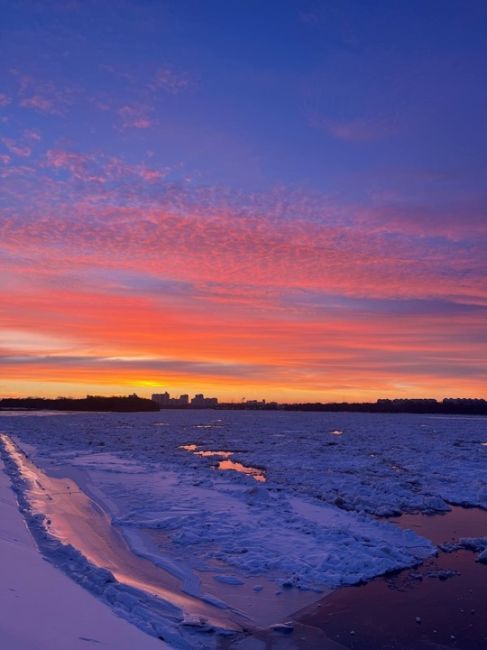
[(254, 472)]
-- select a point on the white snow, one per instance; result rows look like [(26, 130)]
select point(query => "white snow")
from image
[(76, 536), (478, 544), (41, 608)]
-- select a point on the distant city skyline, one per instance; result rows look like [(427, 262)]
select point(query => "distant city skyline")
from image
[(281, 199), (184, 400)]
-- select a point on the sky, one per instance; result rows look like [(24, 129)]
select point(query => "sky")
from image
[(281, 200)]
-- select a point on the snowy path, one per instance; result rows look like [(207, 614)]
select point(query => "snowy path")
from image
[(41, 608)]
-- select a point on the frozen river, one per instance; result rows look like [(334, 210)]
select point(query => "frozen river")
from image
[(251, 516)]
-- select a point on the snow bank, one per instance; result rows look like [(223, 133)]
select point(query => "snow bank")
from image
[(158, 617), (43, 608)]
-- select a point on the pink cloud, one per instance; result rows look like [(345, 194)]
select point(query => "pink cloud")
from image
[(75, 162), (118, 71), (168, 79), (102, 106), (18, 172), (32, 134), (80, 166), (98, 168), (16, 148), (124, 215), (286, 254), (39, 103), (136, 117), (296, 285), (451, 221), (355, 130), (151, 175), (43, 95), (4, 100), (116, 169)]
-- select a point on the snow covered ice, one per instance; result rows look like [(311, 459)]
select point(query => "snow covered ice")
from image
[(41, 607), (312, 523)]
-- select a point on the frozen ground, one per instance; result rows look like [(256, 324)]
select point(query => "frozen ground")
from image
[(41, 608), (300, 518)]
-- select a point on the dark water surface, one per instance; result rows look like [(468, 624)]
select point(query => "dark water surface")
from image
[(412, 609)]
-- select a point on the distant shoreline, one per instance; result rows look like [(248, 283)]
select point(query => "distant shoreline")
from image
[(128, 404), (133, 403), (470, 407)]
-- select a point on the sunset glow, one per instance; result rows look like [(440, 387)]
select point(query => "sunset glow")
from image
[(269, 203)]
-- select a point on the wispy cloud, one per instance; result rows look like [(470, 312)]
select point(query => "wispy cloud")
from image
[(32, 134), (99, 168), (43, 95), (169, 79), (77, 164), (356, 130), (183, 367), (136, 116), (175, 231), (16, 148)]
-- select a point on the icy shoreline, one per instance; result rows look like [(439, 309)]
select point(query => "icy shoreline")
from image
[(41, 606), (159, 618)]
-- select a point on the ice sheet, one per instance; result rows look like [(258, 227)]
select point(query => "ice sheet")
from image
[(312, 524)]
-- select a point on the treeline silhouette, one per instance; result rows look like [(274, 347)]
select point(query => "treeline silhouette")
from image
[(448, 406), (89, 403)]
